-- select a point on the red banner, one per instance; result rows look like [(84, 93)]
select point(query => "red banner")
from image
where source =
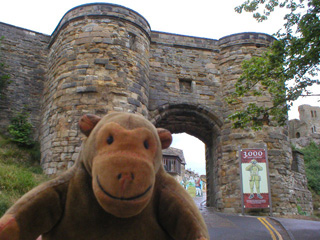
[(248, 154), (255, 189)]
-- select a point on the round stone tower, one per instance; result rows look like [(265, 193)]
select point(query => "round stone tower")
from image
[(284, 188), (98, 63)]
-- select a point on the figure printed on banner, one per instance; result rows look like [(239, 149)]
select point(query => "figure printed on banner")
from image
[(254, 178)]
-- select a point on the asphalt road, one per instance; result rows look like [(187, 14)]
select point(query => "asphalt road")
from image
[(230, 226)]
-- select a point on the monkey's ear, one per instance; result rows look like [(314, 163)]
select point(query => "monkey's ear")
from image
[(165, 137), (87, 123)]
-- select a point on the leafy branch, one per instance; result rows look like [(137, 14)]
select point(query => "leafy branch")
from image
[(286, 70)]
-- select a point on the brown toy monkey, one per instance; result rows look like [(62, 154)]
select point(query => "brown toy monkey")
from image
[(117, 189)]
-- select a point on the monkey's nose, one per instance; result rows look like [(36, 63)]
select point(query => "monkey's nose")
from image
[(125, 180), (127, 176)]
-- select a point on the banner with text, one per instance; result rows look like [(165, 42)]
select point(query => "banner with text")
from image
[(254, 173)]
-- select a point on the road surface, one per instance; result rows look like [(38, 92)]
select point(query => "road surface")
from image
[(231, 226)]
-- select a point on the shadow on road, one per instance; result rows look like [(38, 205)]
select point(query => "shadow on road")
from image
[(223, 226)]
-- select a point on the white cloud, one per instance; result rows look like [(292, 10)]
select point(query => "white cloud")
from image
[(194, 151)]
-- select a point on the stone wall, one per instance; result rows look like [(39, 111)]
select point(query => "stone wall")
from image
[(184, 66), (185, 79), (300, 195), (104, 57), (305, 141), (24, 53)]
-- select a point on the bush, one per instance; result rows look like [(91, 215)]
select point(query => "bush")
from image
[(20, 129), (312, 164)]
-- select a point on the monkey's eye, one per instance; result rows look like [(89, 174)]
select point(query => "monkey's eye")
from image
[(110, 140), (146, 144)]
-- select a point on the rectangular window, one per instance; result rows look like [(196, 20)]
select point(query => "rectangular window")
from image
[(313, 129), (185, 85), (132, 41), (172, 165)]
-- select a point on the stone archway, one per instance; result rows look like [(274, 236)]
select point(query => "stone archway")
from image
[(202, 124)]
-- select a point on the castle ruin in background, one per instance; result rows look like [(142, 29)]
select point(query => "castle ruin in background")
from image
[(105, 57), (307, 128)]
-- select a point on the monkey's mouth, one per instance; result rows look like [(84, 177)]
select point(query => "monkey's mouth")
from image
[(123, 198)]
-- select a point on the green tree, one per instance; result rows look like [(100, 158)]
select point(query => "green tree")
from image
[(4, 77), (312, 165), (289, 66)]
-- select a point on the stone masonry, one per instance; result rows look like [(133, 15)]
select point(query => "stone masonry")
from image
[(25, 55), (103, 58)]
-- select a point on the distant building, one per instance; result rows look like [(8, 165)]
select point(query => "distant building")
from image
[(204, 182), (309, 123), (174, 162), (189, 173)]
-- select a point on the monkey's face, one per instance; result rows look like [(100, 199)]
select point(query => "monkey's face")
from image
[(123, 171)]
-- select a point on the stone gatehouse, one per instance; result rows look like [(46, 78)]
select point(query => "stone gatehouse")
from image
[(104, 57)]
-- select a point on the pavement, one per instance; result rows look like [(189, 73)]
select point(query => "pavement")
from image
[(222, 226)]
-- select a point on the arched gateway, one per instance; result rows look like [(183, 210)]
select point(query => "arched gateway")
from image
[(104, 57), (199, 122)]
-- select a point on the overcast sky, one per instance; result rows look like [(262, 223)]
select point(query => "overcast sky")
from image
[(203, 18)]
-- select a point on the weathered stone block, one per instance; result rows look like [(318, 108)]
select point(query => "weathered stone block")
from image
[(102, 61), (86, 89), (110, 67)]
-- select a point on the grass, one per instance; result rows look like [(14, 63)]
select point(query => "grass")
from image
[(19, 172)]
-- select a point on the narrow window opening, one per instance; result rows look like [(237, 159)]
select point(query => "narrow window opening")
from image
[(294, 165), (185, 85), (132, 41), (297, 162)]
